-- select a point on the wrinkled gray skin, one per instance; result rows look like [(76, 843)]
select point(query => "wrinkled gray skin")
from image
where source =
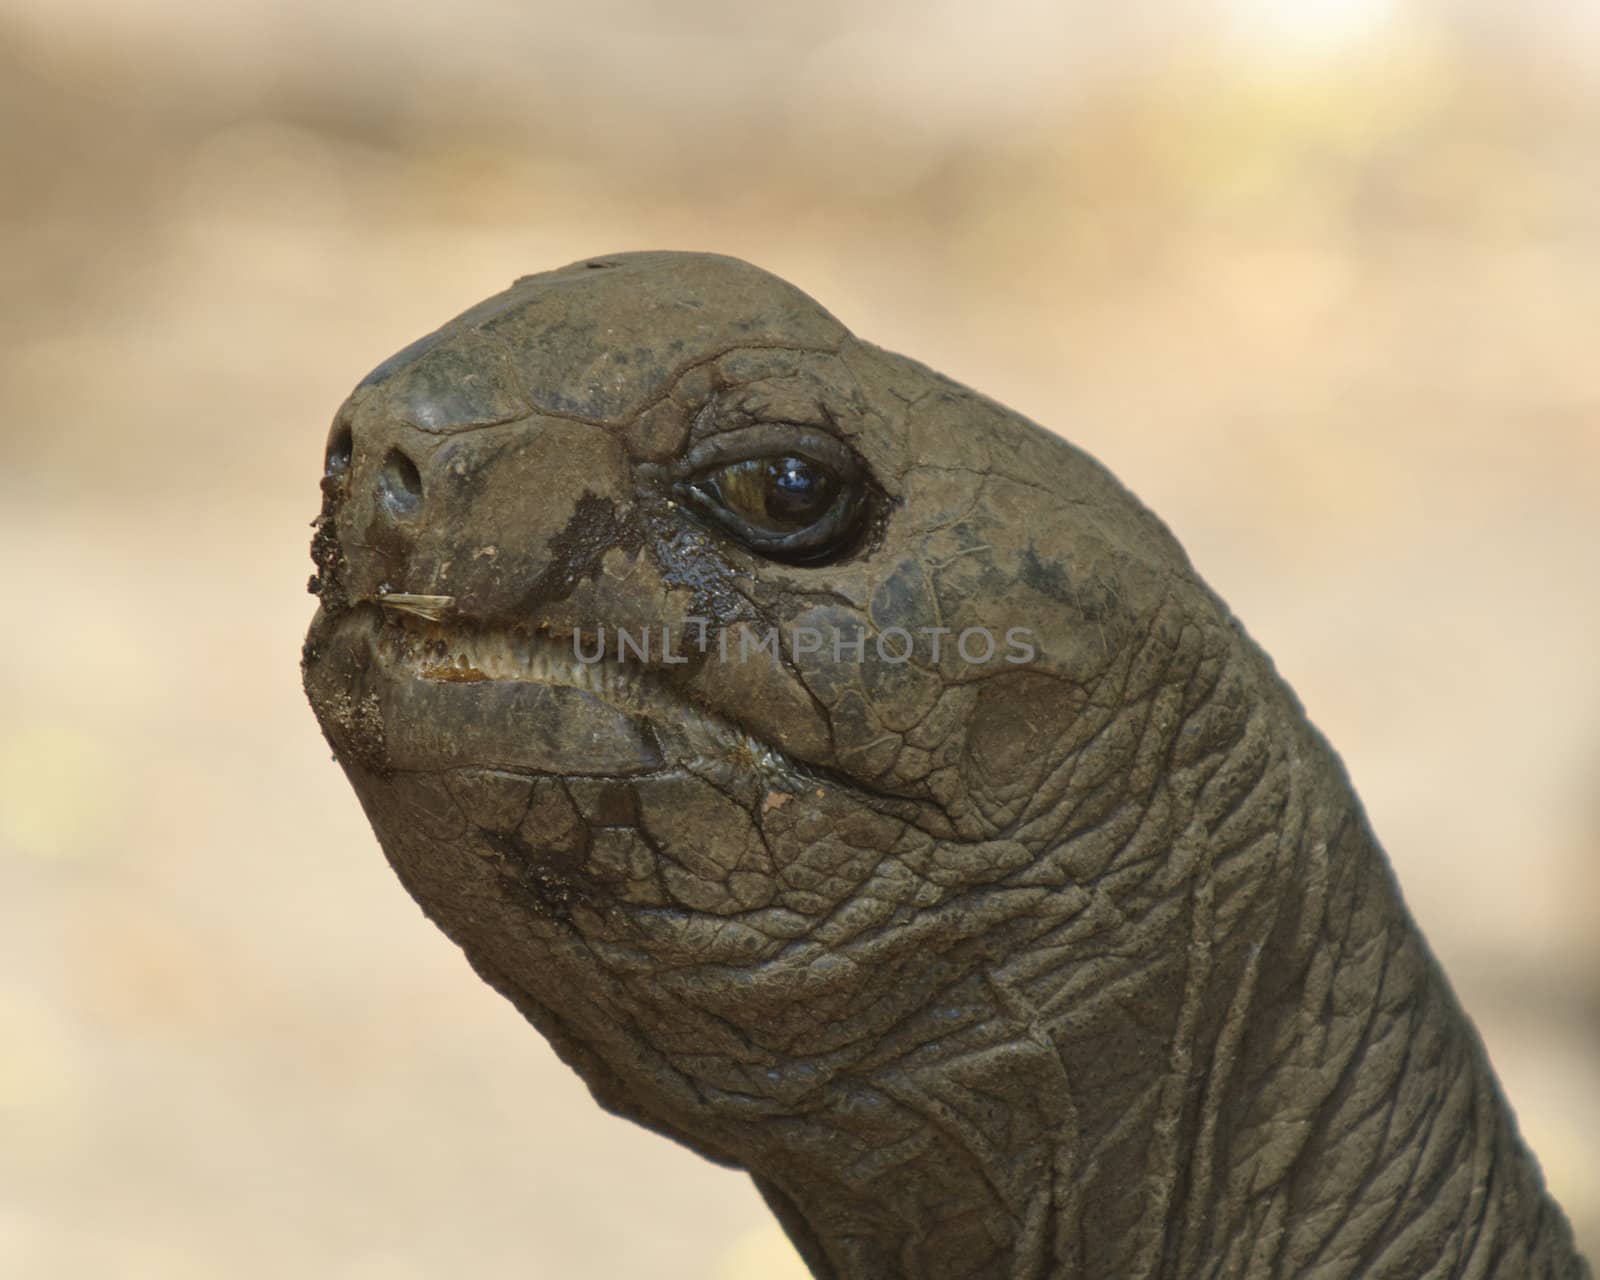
[(1087, 966)]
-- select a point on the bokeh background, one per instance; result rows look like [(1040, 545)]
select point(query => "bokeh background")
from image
[(1320, 281)]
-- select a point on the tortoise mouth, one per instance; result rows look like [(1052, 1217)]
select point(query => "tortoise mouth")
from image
[(453, 693)]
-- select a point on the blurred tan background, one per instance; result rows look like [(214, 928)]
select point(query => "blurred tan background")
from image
[(1319, 280)]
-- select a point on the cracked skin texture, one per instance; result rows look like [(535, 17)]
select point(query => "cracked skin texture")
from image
[(1082, 966)]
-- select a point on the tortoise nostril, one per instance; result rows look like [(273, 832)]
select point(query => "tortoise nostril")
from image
[(400, 485), (341, 447)]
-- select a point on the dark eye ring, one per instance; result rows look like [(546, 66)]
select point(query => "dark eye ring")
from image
[(797, 497)]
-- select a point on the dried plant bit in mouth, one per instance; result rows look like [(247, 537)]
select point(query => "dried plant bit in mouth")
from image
[(458, 672), (433, 608)]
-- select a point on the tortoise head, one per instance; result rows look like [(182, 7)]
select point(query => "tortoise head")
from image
[(736, 694)]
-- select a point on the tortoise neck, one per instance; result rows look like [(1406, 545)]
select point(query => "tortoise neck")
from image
[(1295, 1094), (1357, 1127)]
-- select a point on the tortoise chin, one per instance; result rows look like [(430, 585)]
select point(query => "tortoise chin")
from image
[(495, 762)]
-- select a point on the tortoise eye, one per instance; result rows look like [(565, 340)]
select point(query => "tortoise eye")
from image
[(779, 495), (785, 504)]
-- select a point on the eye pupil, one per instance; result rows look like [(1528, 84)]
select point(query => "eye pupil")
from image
[(796, 491)]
